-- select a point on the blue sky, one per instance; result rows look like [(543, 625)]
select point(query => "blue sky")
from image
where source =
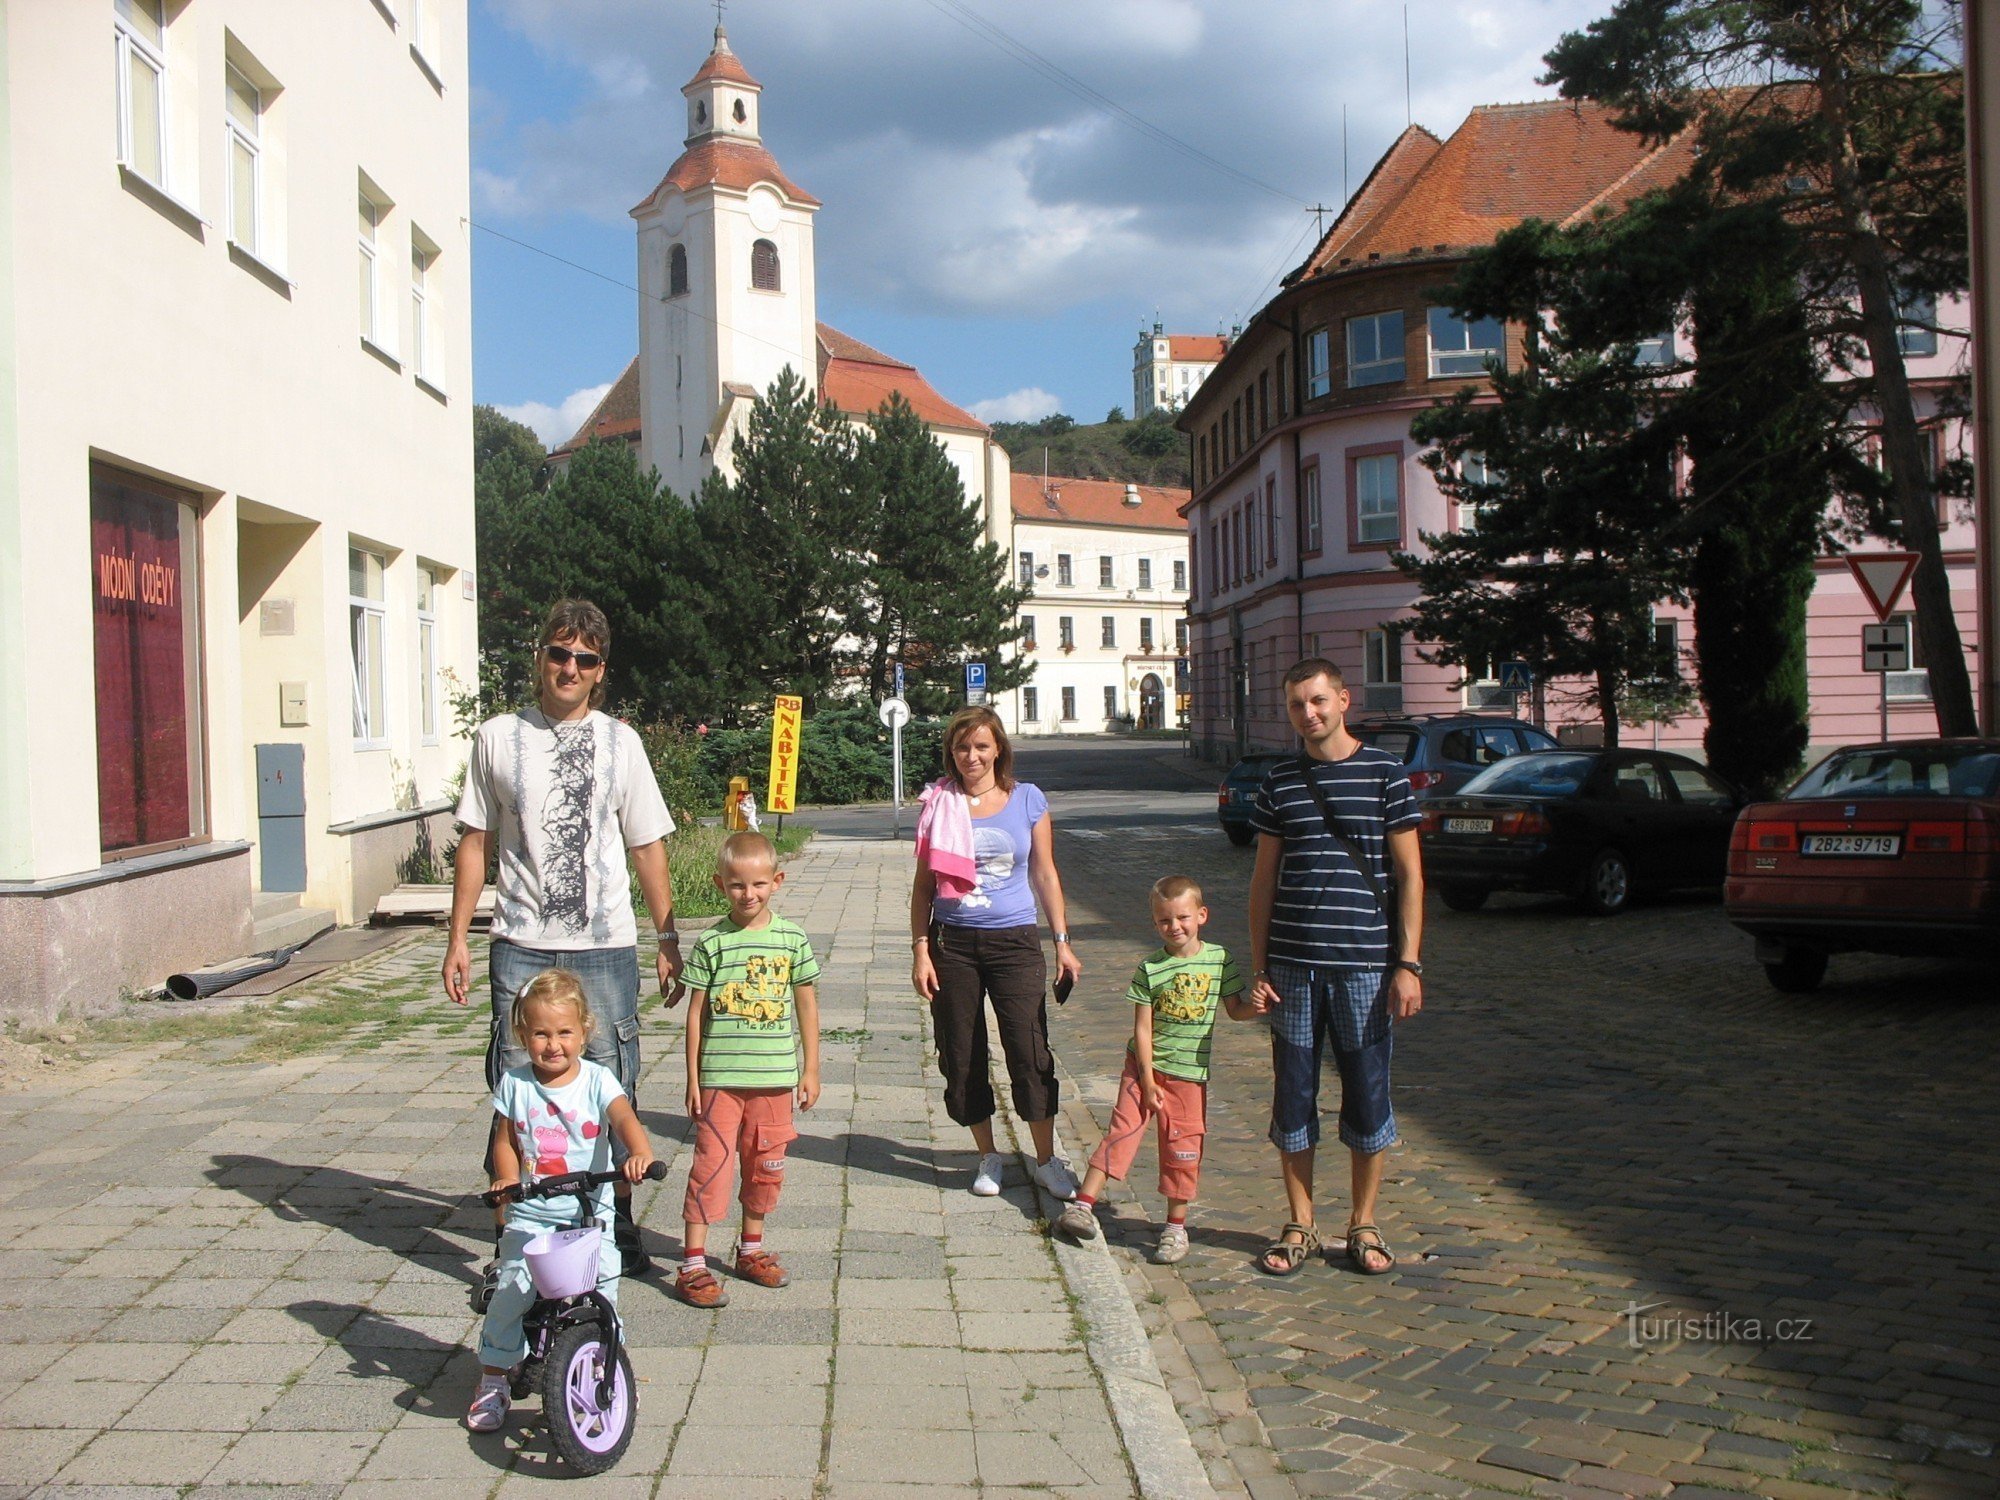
[(982, 219)]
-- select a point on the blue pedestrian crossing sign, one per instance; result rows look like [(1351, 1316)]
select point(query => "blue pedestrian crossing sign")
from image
[(1515, 677)]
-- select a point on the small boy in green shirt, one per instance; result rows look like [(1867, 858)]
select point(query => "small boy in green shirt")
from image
[(1174, 997), (755, 1010)]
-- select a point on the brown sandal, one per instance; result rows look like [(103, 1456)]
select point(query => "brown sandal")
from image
[(1283, 1256), (1359, 1249), (700, 1289), (761, 1267)]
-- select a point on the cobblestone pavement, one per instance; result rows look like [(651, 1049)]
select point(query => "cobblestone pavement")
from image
[(234, 1278), (1596, 1116)]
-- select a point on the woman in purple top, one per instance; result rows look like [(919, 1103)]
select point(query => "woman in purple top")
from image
[(985, 943)]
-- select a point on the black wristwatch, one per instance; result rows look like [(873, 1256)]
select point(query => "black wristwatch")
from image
[(1408, 963)]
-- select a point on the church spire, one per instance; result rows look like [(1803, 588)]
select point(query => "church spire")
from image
[(722, 96)]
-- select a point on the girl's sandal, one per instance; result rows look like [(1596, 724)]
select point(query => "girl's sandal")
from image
[(1284, 1255), (1359, 1250)]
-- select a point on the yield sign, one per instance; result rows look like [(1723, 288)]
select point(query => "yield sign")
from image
[(1882, 576)]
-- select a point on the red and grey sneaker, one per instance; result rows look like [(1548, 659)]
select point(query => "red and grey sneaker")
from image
[(761, 1267), (700, 1288)]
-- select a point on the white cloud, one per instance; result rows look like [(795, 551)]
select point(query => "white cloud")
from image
[(556, 424), (1027, 405)]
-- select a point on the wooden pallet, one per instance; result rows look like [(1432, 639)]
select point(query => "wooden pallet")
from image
[(428, 903)]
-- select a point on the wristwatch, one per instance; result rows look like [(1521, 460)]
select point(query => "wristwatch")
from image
[(1061, 937), (1408, 963)]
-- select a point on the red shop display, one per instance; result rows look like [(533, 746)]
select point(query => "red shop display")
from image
[(140, 588)]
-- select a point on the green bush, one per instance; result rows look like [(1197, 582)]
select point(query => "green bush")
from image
[(675, 753)]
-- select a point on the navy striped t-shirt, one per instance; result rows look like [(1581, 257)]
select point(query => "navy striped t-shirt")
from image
[(1324, 915)]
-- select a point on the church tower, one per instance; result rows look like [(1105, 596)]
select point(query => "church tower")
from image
[(726, 297)]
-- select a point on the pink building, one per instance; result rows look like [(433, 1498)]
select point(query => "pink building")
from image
[(1306, 477)]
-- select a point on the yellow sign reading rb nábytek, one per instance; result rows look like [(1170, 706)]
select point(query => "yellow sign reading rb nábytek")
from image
[(784, 755)]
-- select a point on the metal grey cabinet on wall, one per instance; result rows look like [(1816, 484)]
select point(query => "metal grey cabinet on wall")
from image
[(281, 817)]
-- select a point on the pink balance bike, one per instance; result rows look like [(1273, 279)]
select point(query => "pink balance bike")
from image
[(575, 1356)]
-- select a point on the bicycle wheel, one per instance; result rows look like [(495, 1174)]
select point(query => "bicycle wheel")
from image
[(588, 1437)]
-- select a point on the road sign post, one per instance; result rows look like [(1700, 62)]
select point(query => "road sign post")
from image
[(1882, 576), (895, 713), (975, 683), (1885, 648)]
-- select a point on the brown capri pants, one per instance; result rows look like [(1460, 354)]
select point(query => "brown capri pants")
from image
[(1007, 964)]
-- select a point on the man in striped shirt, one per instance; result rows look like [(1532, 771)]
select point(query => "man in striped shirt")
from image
[(1320, 945)]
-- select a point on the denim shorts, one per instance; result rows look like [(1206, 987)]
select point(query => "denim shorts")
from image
[(1351, 1007), (610, 982)]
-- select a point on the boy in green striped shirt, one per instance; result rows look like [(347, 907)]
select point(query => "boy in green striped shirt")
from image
[(755, 1011), (1174, 996)]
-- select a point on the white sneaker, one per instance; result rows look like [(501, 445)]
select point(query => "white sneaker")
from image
[(1055, 1175), (1078, 1222), (1173, 1246), (986, 1181)]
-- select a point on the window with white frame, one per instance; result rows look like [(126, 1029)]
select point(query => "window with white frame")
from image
[(367, 616), (1107, 631), (1655, 351), (1025, 569), (1319, 368), (427, 654), (1378, 498), (1066, 634), (1027, 632), (1031, 705), (425, 33), (1105, 573), (243, 125), (1271, 523), (1069, 703), (1375, 348), (1667, 647), (1146, 634), (377, 318), (1180, 637), (1064, 574), (1473, 469), (1180, 576), (1916, 330), (1311, 522), (1915, 684), (424, 348), (1381, 669), (1462, 346), (1145, 572), (140, 31), (1482, 686), (1111, 702)]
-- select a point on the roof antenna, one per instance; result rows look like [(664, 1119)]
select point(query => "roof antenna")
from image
[(1344, 195), (1408, 119)]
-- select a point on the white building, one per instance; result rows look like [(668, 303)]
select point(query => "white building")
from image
[(1105, 621), (1168, 368), (727, 302), (235, 497)]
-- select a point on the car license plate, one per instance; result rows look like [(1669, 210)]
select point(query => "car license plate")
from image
[(1866, 845), (1468, 825)]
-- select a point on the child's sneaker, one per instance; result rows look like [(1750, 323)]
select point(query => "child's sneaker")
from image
[(1055, 1175), (986, 1181), (1173, 1246), (761, 1267), (1078, 1221), (488, 1412), (700, 1288)]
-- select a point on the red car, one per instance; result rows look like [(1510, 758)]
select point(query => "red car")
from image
[(1878, 849)]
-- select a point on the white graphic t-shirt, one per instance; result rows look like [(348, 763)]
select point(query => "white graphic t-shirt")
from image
[(563, 802)]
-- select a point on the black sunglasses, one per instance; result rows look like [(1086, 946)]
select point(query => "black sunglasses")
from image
[(586, 661)]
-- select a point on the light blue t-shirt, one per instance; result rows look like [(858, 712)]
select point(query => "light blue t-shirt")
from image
[(1002, 896), (559, 1130)]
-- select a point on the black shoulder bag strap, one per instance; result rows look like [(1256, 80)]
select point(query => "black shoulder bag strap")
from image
[(1389, 911)]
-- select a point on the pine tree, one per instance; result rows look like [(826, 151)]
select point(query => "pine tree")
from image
[(1844, 112), (936, 594)]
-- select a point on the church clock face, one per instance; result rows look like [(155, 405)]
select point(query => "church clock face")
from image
[(763, 209), (673, 213)]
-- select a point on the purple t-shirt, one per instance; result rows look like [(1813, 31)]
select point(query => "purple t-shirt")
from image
[(1002, 896)]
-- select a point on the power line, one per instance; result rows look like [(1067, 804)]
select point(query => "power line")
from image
[(1036, 63)]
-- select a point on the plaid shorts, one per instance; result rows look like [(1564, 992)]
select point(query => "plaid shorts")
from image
[(1350, 1006)]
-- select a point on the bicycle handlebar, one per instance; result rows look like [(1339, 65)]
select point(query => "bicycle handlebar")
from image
[(563, 1185)]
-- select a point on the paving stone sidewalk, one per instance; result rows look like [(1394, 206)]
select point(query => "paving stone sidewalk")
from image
[(232, 1278), (1597, 1116)]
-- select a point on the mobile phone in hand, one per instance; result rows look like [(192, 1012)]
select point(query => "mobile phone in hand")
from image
[(1065, 982)]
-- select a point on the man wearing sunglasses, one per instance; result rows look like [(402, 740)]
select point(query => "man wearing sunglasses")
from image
[(565, 796)]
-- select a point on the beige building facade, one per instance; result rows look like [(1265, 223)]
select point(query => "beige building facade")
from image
[(236, 533)]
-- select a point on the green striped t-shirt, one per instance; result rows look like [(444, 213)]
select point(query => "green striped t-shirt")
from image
[(1184, 993), (749, 1036)]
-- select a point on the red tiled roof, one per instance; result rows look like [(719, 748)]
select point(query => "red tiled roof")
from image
[(1506, 163), (858, 379), (725, 161), (617, 415), (723, 64), (1097, 502), (1204, 347)]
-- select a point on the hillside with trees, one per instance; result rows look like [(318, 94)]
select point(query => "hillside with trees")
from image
[(1148, 451)]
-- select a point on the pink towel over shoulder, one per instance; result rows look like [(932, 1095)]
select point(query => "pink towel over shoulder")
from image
[(944, 839)]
